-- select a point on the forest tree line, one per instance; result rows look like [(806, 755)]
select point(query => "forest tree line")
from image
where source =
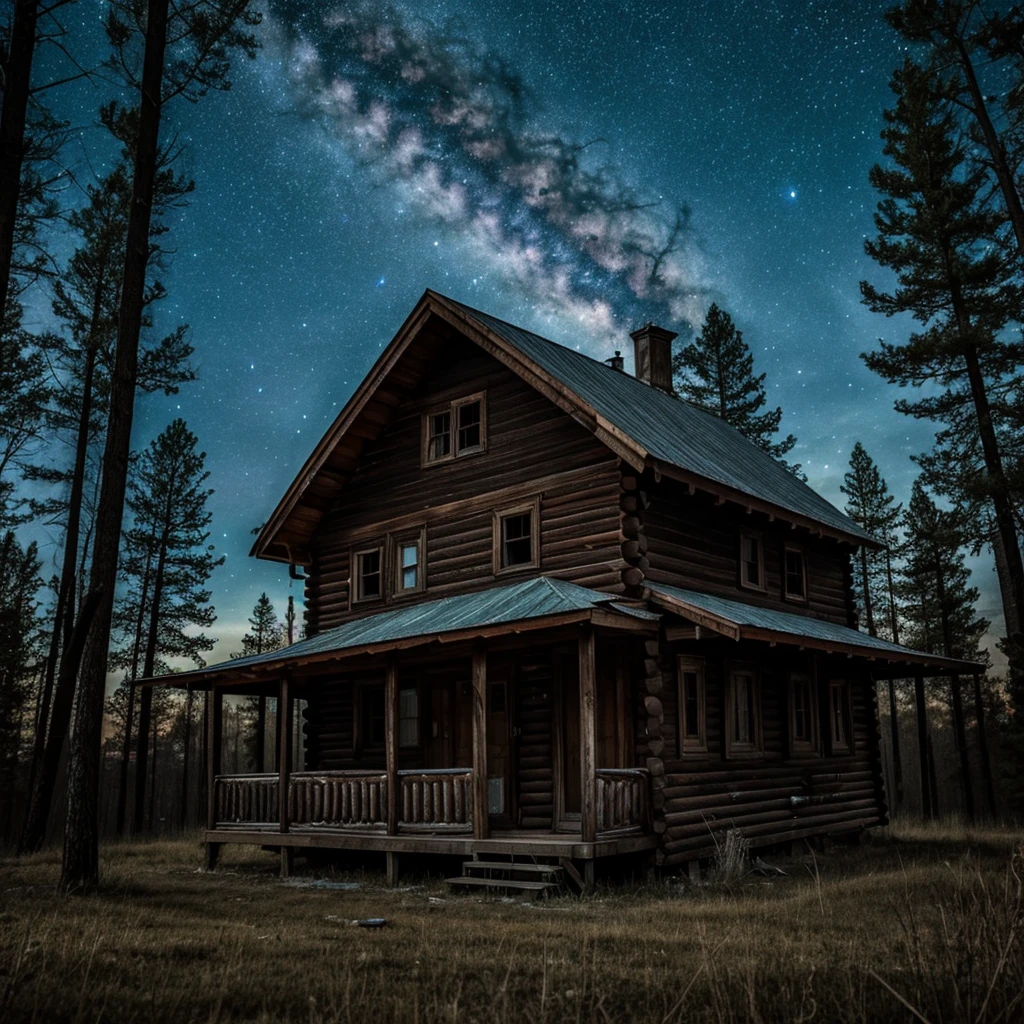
[(128, 591)]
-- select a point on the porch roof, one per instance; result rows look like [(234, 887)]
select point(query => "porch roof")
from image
[(535, 603), (741, 621)]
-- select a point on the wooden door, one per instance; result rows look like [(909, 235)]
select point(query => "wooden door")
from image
[(535, 747), (499, 752), (568, 743)]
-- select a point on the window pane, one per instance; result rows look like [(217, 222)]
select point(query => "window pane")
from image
[(691, 711), (752, 561), (469, 426), (743, 708), (801, 710), (408, 718), (440, 442), (409, 557), (794, 574), (369, 574), (517, 544)]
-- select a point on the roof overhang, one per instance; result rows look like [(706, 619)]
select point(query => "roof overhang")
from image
[(738, 621)]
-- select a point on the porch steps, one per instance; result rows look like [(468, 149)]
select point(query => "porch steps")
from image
[(528, 879)]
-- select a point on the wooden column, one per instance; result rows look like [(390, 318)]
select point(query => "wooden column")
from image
[(894, 732), (391, 742), (588, 737), (214, 719), (284, 768), (986, 764), (960, 732), (480, 823), (922, 745)]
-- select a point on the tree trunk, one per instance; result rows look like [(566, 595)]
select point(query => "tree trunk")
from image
[(986, 764), (897, 760), (186, 753), (16, 87), (960, 732), (868, 611), (34, 834), (80, 867), (152, 779), (894, 623)]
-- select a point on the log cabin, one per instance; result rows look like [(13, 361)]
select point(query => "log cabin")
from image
[(554, 613)]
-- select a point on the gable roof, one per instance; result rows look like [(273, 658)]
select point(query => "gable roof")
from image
[(742, 621), (643, 425), (540, 601)]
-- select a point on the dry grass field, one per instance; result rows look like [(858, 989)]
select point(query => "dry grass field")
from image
[(915, 925)]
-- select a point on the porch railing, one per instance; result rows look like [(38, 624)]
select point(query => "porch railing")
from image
[(352, 799), (436, 799), (623, 801), (247, 798)]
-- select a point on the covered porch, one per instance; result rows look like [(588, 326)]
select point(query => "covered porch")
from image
[(491, 723)]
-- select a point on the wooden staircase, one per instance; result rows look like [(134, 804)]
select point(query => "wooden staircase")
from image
[(529, 879)]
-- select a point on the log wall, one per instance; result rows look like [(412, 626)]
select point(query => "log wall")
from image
[(775, 797), (533, 449)]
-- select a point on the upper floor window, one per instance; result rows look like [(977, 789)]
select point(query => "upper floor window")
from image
[(743, 713), (456, 429), (692, 713), (751, 561), (840, 716), (368, 576), (803, 714), (794, 575), (409, 556), (517, 537)]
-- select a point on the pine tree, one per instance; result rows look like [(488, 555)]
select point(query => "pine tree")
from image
[(938, 602), (716, 372), (169, 562), (267, 634), (874, 509), (947, 247)]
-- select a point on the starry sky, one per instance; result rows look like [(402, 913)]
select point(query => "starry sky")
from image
[(531, 158)]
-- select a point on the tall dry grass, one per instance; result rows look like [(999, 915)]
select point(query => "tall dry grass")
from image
[(921, 925)]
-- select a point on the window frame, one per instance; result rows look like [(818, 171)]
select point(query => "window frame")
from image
[(356, 595), (452, 408), (459, 403), (397, 542), (810, 747), (689, 746), (734, 749), (794, 549), (533, 508), (760, 587), (847, 746), (360, 747), (412, 688)]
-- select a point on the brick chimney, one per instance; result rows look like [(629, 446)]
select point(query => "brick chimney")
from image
[(653, 351)]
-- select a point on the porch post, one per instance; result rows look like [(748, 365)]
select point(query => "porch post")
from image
[(214, 718), (284, 767), (986, 764), (894, 730), (391, 740), (588, 737), (480, 822), (922, 744)]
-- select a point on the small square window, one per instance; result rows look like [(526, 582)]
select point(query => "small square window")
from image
[(795, 575), (743, 714), (692, 715), (751, 561), (439, 436), (803, 714), (367, 586), (469, 427), (408, 717), (840, 716)]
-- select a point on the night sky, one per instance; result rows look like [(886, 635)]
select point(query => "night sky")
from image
[(523, 157)]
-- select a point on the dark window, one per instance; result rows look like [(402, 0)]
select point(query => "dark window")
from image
[(439, 438), (751, 561), (408, 718), (469, 427), (743, 714), (409, 566), (796, 583), (496, 698), (371, 720), (368, 575), (516, 539), (803, 714), (839, 716), (692, 716)]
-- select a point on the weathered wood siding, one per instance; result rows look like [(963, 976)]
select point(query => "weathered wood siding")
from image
[(691, 542), (533, 449), (775, 797)]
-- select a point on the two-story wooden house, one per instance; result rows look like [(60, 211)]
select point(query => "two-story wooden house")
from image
[(553, 611)]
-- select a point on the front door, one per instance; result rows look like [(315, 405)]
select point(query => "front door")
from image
[(499, 752)]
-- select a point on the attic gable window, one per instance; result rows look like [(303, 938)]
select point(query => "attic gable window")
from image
[(456, 429), (751, 561)]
